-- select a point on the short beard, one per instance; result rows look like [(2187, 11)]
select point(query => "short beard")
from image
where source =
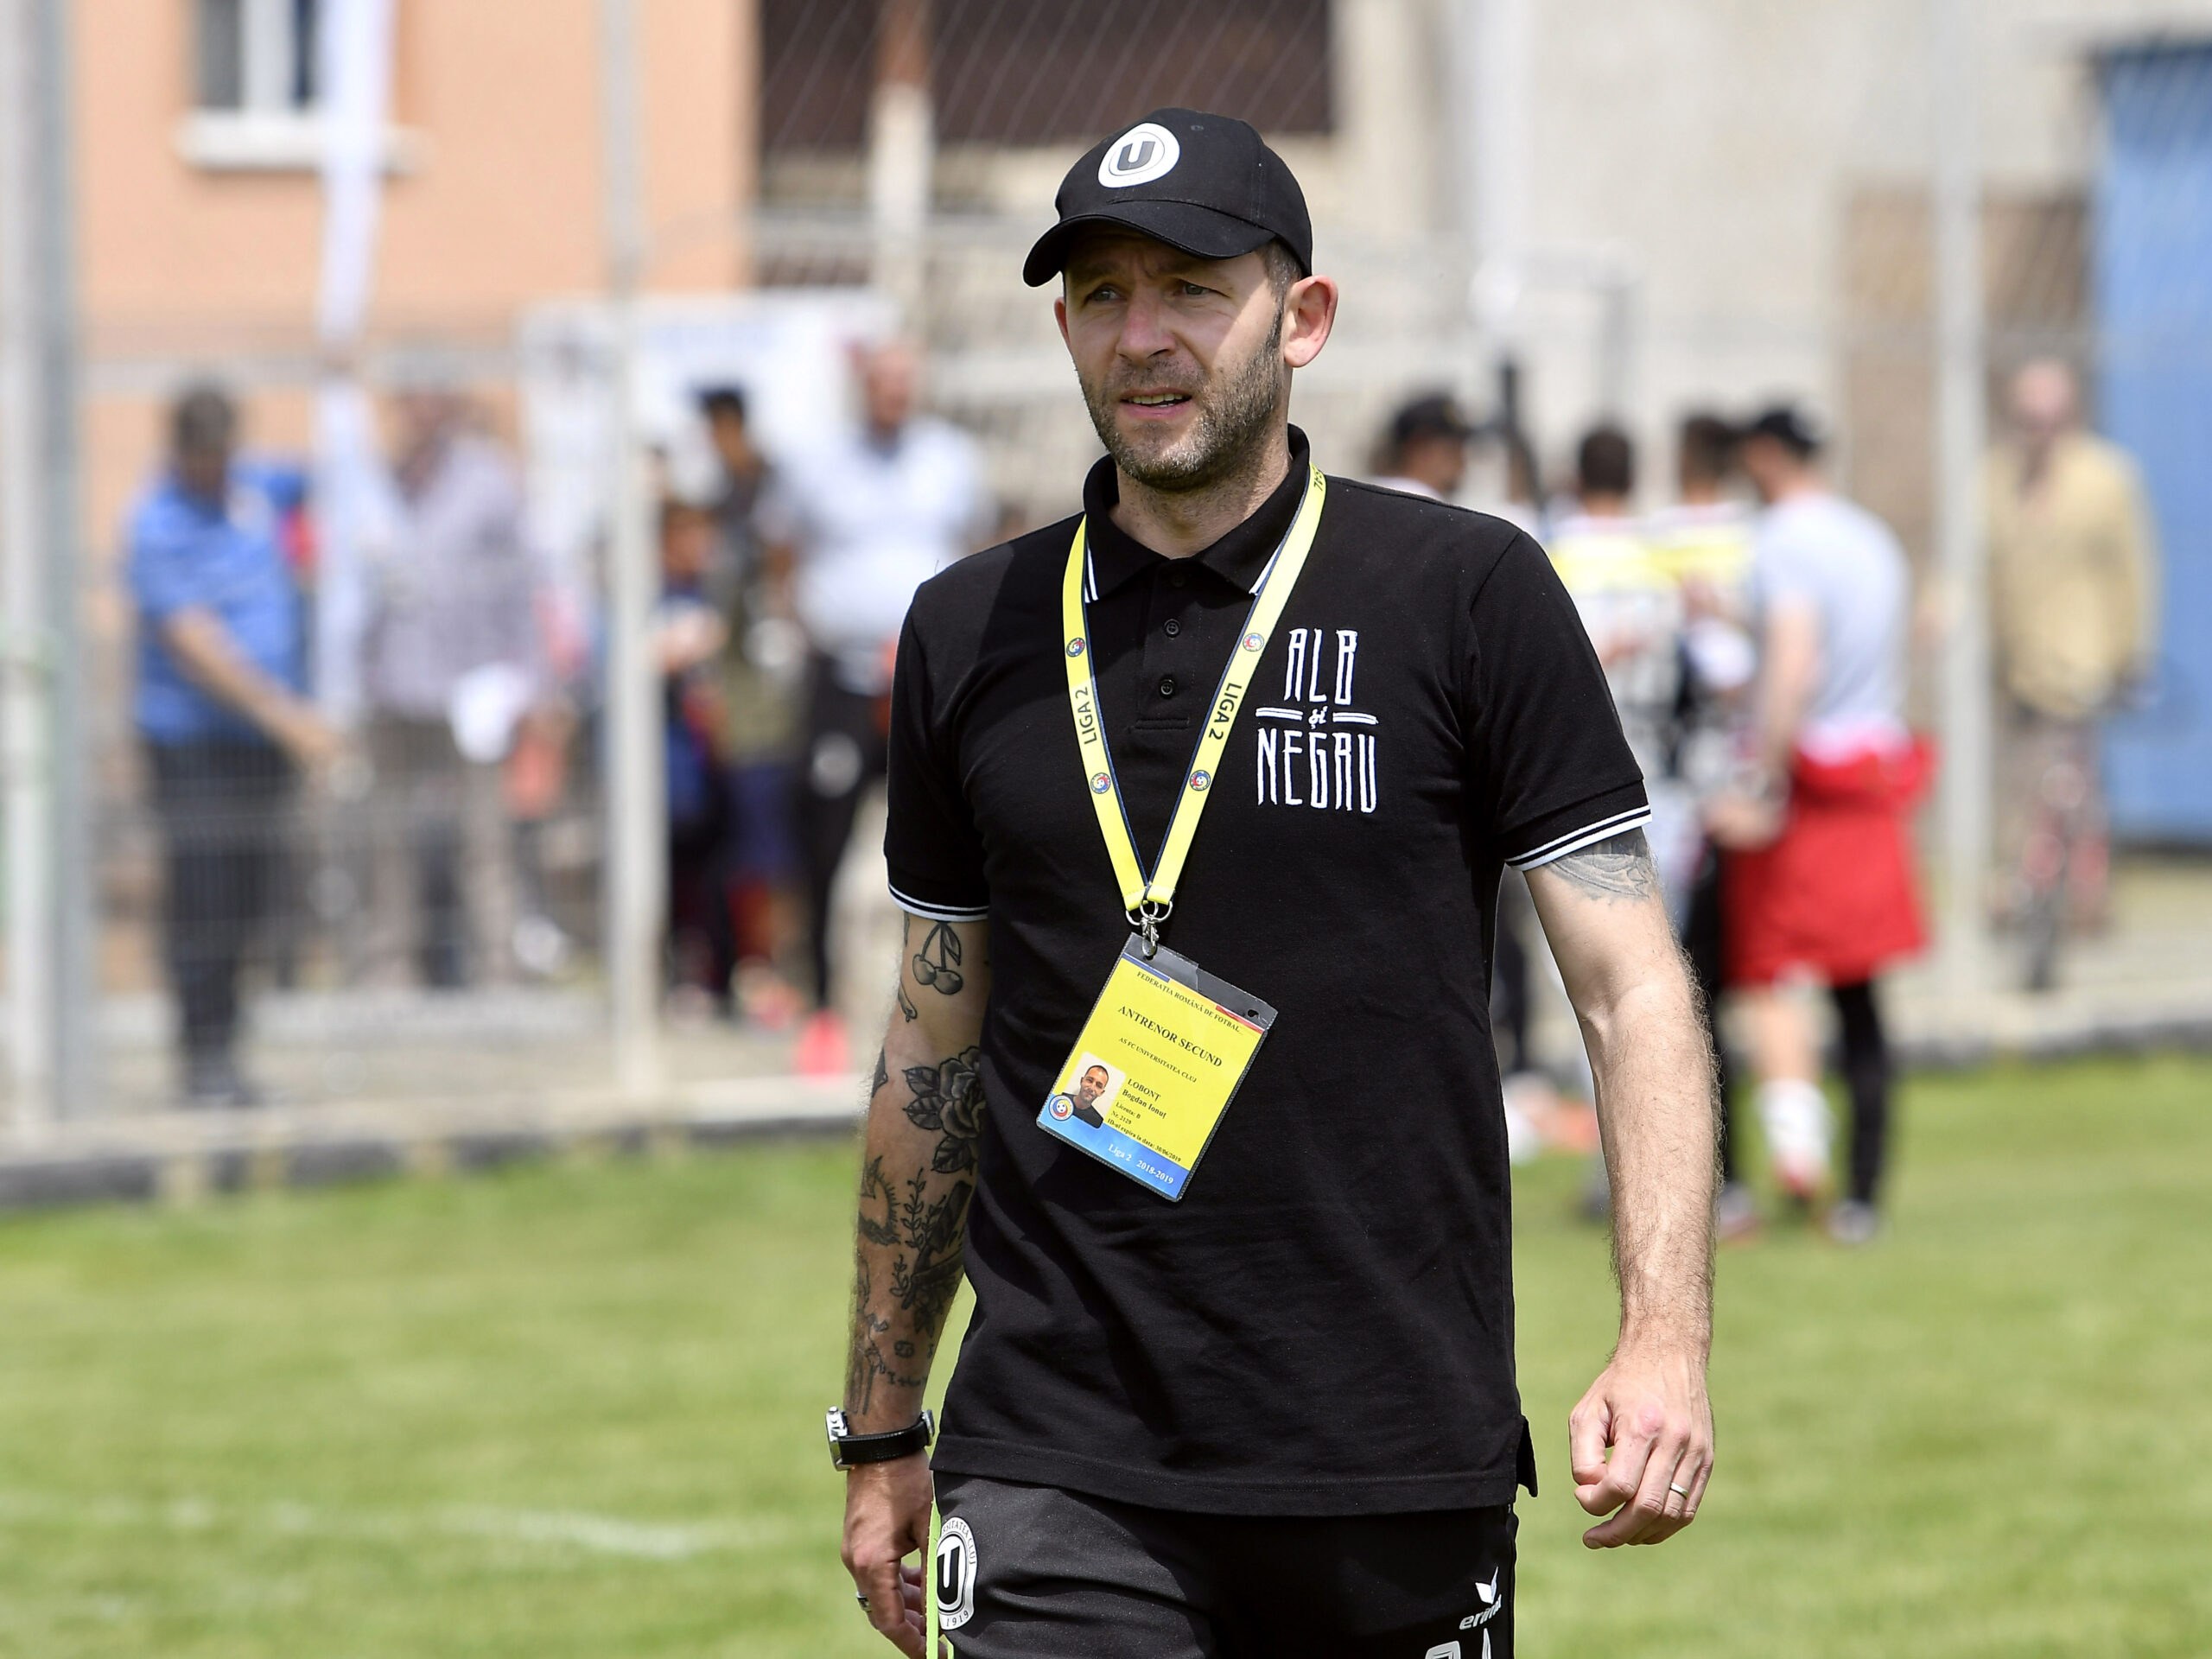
[(1234, 418)]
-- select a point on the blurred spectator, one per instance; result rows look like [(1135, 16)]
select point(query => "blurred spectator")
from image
[(1633, 606), (744, 476), (221, 709), (688, 638), (859, 522), (762, 666), (1818, 877), (1632, 609), (2074, 581), (1425, 452), (452, 663), (1705, 542)]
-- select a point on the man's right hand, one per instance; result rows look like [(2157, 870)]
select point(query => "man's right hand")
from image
[(887, 1519), (312, 742)]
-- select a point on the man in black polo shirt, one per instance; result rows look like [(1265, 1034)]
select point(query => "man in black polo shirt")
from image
[(1240, 1379)]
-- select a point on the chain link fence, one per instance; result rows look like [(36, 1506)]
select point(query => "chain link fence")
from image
[(1685, 210)]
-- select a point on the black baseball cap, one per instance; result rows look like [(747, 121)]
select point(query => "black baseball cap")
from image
[(1203, 183), (1434, 416), (1791, 426)]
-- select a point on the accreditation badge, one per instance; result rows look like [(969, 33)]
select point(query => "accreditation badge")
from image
[(1159, 1058)]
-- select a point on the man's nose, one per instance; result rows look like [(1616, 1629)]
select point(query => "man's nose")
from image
[(1145, 333)]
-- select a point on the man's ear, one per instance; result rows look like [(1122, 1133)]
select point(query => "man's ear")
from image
[(1060, 313), (1309, 312)]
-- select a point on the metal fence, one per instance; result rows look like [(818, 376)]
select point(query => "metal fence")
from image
[(1558, 214)]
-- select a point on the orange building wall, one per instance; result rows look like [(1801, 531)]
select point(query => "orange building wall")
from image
[(504, 209)]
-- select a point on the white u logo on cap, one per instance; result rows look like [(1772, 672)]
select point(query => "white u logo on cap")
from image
[(1143, 154)]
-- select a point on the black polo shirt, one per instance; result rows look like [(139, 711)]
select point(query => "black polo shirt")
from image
[(1324, 1324)]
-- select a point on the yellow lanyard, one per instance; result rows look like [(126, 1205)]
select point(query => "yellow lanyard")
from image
[(1149, 901)]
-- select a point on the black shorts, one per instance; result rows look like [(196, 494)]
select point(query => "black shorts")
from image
[(1032, 1572)]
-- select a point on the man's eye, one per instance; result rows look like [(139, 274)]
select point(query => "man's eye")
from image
[(1194, 290)]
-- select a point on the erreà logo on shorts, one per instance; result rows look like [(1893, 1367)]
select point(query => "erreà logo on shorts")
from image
[(956, 1575), (1145, 152)]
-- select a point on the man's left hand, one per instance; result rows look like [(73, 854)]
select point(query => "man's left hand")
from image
[(1649, 1411)]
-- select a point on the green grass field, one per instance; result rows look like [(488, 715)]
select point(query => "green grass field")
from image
[(577, 1410)]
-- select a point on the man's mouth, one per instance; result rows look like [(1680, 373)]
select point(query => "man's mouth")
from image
[(1156, 399)]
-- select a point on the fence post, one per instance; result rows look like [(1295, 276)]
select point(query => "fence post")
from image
[(50, 854), (636, 878), (1961, 421), (22, 653)]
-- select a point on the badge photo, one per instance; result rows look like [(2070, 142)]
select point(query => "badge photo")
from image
[(1090, 1093)]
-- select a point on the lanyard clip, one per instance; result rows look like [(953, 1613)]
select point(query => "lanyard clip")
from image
[(1147, 918)]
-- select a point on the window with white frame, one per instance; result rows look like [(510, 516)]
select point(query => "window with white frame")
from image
[(257, 57), (253, 93)]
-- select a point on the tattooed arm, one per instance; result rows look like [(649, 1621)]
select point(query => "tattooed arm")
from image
[(1653, 1067), (917, 1174)]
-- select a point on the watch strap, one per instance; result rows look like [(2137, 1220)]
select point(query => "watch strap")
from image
[(849, 1450)]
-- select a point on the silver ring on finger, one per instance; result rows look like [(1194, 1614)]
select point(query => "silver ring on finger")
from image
[(1682, 1493), (862, 1599)]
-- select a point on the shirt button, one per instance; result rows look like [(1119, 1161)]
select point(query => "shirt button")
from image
[(1177, 578), (1167, 685), (1172, 627)]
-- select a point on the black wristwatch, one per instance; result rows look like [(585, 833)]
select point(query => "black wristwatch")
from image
[(848, 1450)]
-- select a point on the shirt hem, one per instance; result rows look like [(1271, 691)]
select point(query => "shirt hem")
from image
[(1469, 1489), (923, 908), (1575, 840)]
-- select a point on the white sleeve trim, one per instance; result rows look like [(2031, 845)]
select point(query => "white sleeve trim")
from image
[(939, 912), (1575, 840)]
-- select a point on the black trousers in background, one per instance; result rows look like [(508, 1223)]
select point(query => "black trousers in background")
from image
[(1865, 1057), (1509, 999), (846, 750), (222, 808), (1701, 943)]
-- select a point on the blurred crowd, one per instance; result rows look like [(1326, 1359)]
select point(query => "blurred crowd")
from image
[(783, 593), (1754, 631), (472, 668)]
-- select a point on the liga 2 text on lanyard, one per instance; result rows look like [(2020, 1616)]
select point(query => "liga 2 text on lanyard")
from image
[(1149, 901)]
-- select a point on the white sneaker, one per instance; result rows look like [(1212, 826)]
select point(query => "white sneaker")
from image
[(1852, 1224)]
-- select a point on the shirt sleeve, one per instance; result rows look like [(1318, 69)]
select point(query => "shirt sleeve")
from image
[(1783, 577), (778, 516), (1545, 746), (164, 577), (936, 858)]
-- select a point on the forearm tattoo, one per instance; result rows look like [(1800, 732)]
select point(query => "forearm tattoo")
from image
[(906, 1002), (922, 1220), (1619, 866), (937, 964)]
